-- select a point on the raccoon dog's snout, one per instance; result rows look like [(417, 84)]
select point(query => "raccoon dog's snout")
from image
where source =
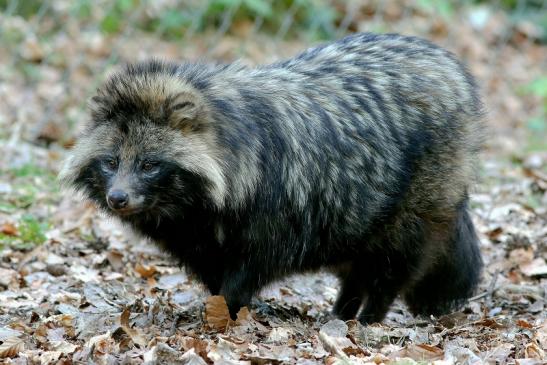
[(117, 199)]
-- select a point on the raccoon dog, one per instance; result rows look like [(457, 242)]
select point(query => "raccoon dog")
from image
[(355, 156)]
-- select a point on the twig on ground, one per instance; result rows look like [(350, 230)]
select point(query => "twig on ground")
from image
[(490, 290)]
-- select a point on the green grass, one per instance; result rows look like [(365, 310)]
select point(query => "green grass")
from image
[(32, 186), (28, 181), (316, 19), (536, 126), (30, 233), (28, 170)]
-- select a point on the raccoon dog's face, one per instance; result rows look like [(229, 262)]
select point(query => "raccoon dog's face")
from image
[(134, 173), (150, 147)]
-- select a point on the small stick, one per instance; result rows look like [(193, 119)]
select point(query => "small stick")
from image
[(490, 290)]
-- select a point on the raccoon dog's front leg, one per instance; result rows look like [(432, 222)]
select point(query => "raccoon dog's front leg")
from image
[(238, 287), (385, 276), (352, 292)]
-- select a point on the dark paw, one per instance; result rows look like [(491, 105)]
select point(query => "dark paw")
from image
[(233, 309), (366, 319), (346, 310), (373, 314)]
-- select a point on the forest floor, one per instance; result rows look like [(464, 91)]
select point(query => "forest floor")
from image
[(76, 288)]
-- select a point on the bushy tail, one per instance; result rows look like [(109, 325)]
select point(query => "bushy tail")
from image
[(454, 277)]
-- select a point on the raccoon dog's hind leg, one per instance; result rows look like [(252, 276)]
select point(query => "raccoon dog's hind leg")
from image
[(373, 280), (455, 274)]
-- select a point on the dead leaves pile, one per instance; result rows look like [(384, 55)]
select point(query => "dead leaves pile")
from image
[(94, 294)]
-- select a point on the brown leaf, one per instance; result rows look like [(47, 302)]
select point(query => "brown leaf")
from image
[(494, 234), (11, 347), (521, 256), (145, 271), (101, 344), (8, 277), (199, 346), (66, 321), (243, 316), (124, 317), (533, 351), (9, 229), (226, 349), (419, 352), (541, 335), (536, 267), (115, 259), (41, 333), (191, 358), (536, 174), (523, 324), (217, 315), (51, 132), (32, 50), (491, 323), (354, 351), (133, 333)]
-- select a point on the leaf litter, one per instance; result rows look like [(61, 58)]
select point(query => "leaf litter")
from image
[(94, 293)]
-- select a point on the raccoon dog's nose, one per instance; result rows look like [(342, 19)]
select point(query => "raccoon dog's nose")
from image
[(117, 199)]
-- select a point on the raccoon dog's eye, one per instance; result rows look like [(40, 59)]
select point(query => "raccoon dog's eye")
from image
[(110, 164), (149, 166)]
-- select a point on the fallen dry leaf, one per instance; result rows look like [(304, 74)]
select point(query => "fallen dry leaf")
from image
[(536, 267), (529, 362), (101, 344), (162, 353), (334, 336), (86, 271), (11, 347), (521, 256), (332, 345), (62, 320), (493, 234), (490, 323), (420, 352), (533, 351), (41, 333), (280, 335), (32, 50), (9, 229), (541, 335), (8, 277), (133, 333), (199, 346), (50, 357), (500, 354), (145, 271), (524, 324), (115, 259), (217, 315), (191, 358)]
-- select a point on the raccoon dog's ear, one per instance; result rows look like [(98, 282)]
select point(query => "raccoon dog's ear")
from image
[(186, 111), (97, 108)]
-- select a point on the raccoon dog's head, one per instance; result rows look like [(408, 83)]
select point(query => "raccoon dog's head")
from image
[(149, 147)]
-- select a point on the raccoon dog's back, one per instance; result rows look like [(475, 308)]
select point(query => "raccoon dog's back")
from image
[(355, 155)]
